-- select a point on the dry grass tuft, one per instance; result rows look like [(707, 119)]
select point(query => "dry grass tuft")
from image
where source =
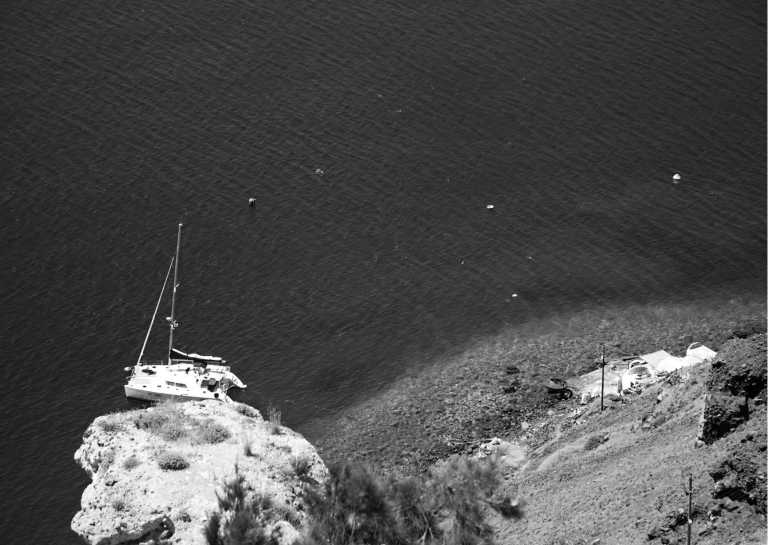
[(246, 410), (275, 420), (172, 461), (165, 420), (112, 423), (210, 431), (595, 441), (131, 462), (170, 423), (105, 460)]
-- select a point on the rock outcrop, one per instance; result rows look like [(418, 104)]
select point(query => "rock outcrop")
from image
[(156, 472), (736, 380), (741, 475)]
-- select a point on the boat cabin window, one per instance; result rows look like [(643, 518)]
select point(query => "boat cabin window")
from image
[(176, 384)]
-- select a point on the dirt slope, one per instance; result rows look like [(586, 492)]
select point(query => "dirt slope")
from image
[(619, 476)]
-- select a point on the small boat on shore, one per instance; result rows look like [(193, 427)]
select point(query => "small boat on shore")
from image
[(184, 375)]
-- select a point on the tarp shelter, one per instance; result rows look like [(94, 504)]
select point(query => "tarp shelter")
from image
[(654, 358), (667, 365), (698, 350), (654, 362), (696, 353)]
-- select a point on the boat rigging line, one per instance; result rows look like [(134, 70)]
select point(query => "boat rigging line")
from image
[(157, 306)]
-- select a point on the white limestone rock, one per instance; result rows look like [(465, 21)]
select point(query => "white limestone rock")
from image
[(132, 499)]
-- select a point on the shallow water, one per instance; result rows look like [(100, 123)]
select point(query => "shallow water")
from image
[(373, 137)]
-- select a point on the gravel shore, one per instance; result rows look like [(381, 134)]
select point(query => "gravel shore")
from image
[(496, 385)]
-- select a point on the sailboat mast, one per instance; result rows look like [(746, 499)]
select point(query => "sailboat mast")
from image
[(172, 321)]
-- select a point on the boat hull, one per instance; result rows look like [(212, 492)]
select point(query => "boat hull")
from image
[(176, 382), (147, 394)]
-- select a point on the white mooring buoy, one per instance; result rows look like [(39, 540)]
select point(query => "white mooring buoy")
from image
[(676, 177)]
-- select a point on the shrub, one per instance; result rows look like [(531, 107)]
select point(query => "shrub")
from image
[(131, 462), (246, 410), (239, 520), (211, 431), (164, 420), (444, 507), (172, 430), (457, 490), (415, 518), (105, 460), (111, 424), (118, 505), (288, 514), (354, 509), (150, 421), (595, 441), (302, 465), (173, 461)]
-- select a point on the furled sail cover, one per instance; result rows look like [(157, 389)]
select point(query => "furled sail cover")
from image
[(196, 357)]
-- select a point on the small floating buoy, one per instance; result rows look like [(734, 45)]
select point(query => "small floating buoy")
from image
[(514, 295), (251, 202), (489, 206), (676, 177)]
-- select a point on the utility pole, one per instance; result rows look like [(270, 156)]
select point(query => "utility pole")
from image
[(690, 505), (602, 375)]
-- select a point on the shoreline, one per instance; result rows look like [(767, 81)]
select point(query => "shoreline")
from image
[(452, 406)]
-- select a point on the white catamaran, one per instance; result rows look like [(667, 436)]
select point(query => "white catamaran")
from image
[(184, 376)]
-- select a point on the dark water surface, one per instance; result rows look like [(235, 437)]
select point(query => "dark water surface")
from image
[(122, 118)]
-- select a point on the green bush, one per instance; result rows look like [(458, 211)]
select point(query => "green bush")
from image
[(456, 492), (241, 520), (355, 507), (445, 507), (302, 465), (173, 461)]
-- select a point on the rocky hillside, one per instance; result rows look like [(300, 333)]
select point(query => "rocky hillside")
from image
[(620, 475), (156, 472)]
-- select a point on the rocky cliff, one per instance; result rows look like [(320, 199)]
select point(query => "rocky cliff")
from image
[(156, 472)]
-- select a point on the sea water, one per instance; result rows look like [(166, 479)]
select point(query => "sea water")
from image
[(421, 173)]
